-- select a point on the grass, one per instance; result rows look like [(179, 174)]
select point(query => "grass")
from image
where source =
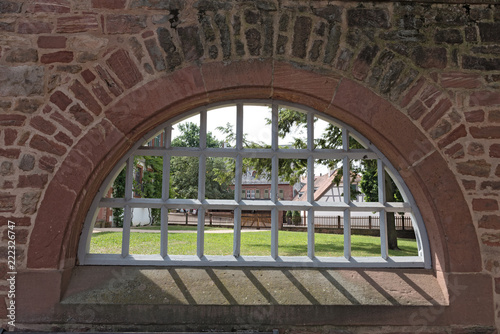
[(252, 243)]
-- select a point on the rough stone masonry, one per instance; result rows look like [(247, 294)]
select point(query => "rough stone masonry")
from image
[(66, 65)]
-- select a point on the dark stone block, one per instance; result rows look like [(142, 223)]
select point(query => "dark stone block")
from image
[(330, 13), (430, 57), (344, 59), (477, 63), (265, 5), (157, 4), (252, 16), (283, 24), (470, 34), (213, 51), (450, 36), (22, 56), (281, 44), (167, 44), (489, 32), (208, 30), (487, 49), (221, 22), (10, 7), (404, 36), (315, 51), (268, 31), (240, 48), (191, 43), (302, 31), (253, 41), (332, 44), (391, 76), (368, 18), (155, 54), (236, 25)]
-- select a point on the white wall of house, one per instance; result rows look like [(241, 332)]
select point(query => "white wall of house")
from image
[(140, 216)]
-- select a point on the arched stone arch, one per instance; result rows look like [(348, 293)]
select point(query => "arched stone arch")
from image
[(53, 242)]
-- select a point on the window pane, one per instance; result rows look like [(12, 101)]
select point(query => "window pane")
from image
[(327, 135), (221, 127), (364, 181), (148, 176), (157, 140), (105, 240), (255, 233), (292, 128), (184, 177), (219, 178), (186, 133), (256, 126), (219, 233), (329, 233), (116, 188)]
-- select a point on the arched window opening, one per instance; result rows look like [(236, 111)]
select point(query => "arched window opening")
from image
[(259, 183)]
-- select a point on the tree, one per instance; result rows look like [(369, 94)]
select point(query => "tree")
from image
[(184, 170), (292, 171), (151, 183)]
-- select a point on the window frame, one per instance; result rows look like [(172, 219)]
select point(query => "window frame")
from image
[(272, 203)]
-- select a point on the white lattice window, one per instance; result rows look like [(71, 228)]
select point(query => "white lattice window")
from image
[(174, 200)]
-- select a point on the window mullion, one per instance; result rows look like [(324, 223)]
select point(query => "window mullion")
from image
[(201, 185), (274, 183), (164, 231), (383, 214), (165, 193), (346, 172), (127, 219)]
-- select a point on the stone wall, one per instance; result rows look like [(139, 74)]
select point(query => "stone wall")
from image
[(81, 81)]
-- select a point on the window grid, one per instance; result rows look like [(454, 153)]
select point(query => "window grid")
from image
[(274, 203)]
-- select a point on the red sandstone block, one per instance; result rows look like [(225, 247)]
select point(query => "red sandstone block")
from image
[(479, 168), (10, 153), (494, 116), (82, 94), (469, 184), (416, 110), (108, 4), (51, 42), (491, 239), (497, 172), (7, 202), (461, 80), (113, 86), (64, 138), (484, 98), (88, 76), (313, 87), (429, 94), (12, 120), (10, 136), (43, 144), (488, 132), (43, 125), (81, 115), (436, 113), (75, 170), (491, 222), (34, 27), (47, 163), (453, 136), (19, 221), (484, 204), (495, 151), (125, 24), (32, 181), (474, 116), (412, 92), (61, 100), (57, 57), (101, 94), (21, 236), (50, 6), (75, 130), (124, 68), (456, 151), (78, 23)]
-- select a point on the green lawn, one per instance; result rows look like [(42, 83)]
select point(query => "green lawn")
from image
[(252, 243)]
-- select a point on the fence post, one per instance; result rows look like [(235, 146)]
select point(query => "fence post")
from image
[(403, 223), (338, 222), (369, 222), (187, 218), (210, 215)]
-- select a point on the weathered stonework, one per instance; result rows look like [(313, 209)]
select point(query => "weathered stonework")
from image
[(81, 81)]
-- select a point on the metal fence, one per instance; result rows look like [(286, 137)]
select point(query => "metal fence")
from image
[(263, 220)]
